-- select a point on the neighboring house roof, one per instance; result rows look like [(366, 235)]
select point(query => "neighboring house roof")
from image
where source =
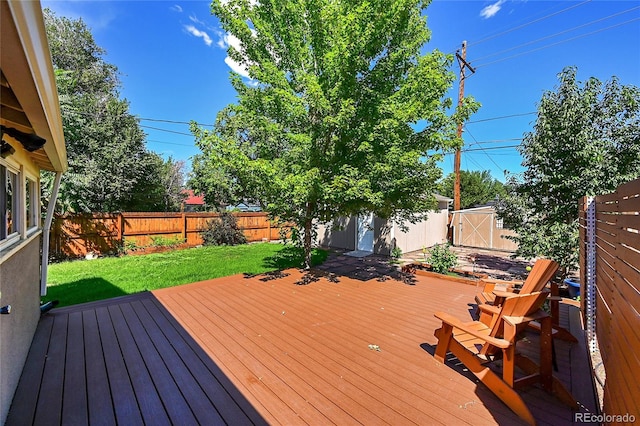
[(29, 93), (192, 199), (441, 198), (246, 207)]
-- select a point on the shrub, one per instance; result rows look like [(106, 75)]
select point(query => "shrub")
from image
[(396, 253), (442, 258), (130, 245), (162, 241), (223, 231)]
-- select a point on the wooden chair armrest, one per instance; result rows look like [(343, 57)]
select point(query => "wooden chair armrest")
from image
[(504, 285), (456, 323), (489, 309), (536, 316), (504, 294)]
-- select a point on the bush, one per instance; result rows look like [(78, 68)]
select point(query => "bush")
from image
[(162, 241), (441, 258), (223, 231), (396, 253)]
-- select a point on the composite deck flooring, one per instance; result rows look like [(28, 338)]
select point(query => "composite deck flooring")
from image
[(277, 349)]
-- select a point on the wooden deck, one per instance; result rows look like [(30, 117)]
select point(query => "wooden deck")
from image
[(240, 350)]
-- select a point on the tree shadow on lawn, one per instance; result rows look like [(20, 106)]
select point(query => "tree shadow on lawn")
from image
[(375, 267), (82, 291), (293, 257)]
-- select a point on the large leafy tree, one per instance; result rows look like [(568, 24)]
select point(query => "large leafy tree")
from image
[(343, 112), (586, 141), (476, 187), (110, 168)]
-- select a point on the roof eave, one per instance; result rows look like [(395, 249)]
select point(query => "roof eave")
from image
[(26, 63)]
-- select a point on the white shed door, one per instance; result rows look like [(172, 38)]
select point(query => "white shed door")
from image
[(365, 232)]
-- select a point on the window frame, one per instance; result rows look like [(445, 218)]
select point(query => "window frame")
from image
[(32, 204), (7, 239)]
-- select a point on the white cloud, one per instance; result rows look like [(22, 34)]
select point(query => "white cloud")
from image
[(236, 67), (196, 32), (221, 43), (195, 19), (490, 11), (233, 41), (226, 40), (176, 8), (229, 40)]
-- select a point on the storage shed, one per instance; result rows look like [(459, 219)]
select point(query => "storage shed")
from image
[(368, 233), (480, 227)]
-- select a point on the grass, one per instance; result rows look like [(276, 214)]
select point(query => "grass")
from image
[(82, 281)]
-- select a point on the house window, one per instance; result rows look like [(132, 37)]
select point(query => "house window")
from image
[(9, 211), (499, 224), (32, 206)]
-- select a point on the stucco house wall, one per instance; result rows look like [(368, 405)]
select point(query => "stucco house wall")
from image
[(29, 106), (20, 287)]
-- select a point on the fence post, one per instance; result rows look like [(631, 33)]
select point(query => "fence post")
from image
[(590, 273), (120, 228), (184, 226)]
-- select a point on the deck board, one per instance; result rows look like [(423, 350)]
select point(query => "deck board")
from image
[(100, 406), (211, 380), (150, 404), (250, 350), (32, 373), (74, 406), (53, 376)]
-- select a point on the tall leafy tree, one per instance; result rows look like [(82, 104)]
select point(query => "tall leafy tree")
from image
[(110, 168), (586, 141), (172, 178), (341, 117), (476, 187)]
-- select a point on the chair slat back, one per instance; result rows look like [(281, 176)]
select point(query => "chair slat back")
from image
[(519, 305), (543, 270)]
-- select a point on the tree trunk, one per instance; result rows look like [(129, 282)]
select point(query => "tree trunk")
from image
[(307, 243), (308, 225)]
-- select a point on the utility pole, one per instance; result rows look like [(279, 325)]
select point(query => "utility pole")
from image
[(462, 62)]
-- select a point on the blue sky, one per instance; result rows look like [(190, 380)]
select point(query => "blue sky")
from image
[(174, 66)]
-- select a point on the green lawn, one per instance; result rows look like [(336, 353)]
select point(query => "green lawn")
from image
[(82, 281)]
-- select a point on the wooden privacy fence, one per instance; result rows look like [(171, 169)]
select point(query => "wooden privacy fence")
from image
[(610, 290), (79, 234)]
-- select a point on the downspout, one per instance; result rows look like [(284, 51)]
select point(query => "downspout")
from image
[(46, 233)]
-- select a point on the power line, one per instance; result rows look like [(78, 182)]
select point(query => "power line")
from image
[(529, 23), (170, 143), (488, 156), (497, 141), (491, 148), (126, 114), (165, 130), (172, 121), (501, 117), (559, 42), (556, 34)]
